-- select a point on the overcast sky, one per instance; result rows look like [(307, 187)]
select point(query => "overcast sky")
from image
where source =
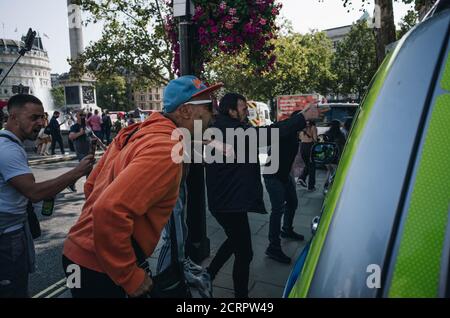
[(49, 17)]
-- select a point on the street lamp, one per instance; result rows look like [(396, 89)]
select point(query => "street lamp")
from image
[(184, 10), (198, 244)]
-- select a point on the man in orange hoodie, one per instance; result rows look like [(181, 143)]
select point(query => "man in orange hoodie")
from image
[(130, 194)]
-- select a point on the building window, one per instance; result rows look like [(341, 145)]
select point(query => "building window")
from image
[(150, 97), (157, 96), (142, 98)]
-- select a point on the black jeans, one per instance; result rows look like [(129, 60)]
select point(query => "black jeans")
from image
[(14, 266), (107, 136), (239, 243), (310, 168), (283, 198), (92, 284), (57, 138)]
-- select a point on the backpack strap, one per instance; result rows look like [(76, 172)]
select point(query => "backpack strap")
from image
[(10, 138), (129, 137)]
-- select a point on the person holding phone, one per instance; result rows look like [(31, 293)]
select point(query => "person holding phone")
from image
[(79, 137), (80, 140)]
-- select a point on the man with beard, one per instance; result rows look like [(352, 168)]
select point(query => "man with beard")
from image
[(235, 188), (131, 194), (18, 189)]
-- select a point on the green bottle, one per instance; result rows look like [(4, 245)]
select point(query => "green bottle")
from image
[(48, 205)]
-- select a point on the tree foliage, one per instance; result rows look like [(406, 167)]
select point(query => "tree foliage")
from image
[(355, 61), (407, 22), (303, 65), (133, 41), (58, 96), (112, 93), (385, 32)]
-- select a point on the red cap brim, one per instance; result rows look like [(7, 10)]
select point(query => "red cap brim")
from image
[(209, 89)]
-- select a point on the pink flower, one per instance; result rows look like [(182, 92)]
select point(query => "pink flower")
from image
[(232, 11), (275, 11), (214, 29), (229, 39), (235, 20), (198, 10), (223, 5), (229, 25), (201, 30), (262, 21), (248, 27)]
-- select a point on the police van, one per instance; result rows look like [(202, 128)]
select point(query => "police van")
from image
[(384, 228)]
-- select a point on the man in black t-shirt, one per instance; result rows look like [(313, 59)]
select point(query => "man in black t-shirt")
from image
[(78, 136), (106, 127)]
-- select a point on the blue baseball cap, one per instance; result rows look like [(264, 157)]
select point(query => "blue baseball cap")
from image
[(179, 91)]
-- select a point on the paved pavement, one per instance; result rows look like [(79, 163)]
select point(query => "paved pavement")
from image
[(267, 277), (55, 228)]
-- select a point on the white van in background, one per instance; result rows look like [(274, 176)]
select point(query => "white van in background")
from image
[(258, 114)]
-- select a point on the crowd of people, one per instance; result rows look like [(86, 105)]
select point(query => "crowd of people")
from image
[(50, 134), (112, 229)]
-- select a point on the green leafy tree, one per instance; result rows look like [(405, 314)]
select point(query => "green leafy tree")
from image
[(58, 96), (407, 22), (355, 61), (385, 32), (421, 6), (112, 93), (133, 43), (303, 65)]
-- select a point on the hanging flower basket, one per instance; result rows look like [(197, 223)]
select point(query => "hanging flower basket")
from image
[(230, 26)]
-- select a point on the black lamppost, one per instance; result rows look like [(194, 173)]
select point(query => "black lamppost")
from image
[(197, 245)]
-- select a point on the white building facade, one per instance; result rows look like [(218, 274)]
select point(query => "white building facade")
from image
[(150, 98), (32, 71)]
